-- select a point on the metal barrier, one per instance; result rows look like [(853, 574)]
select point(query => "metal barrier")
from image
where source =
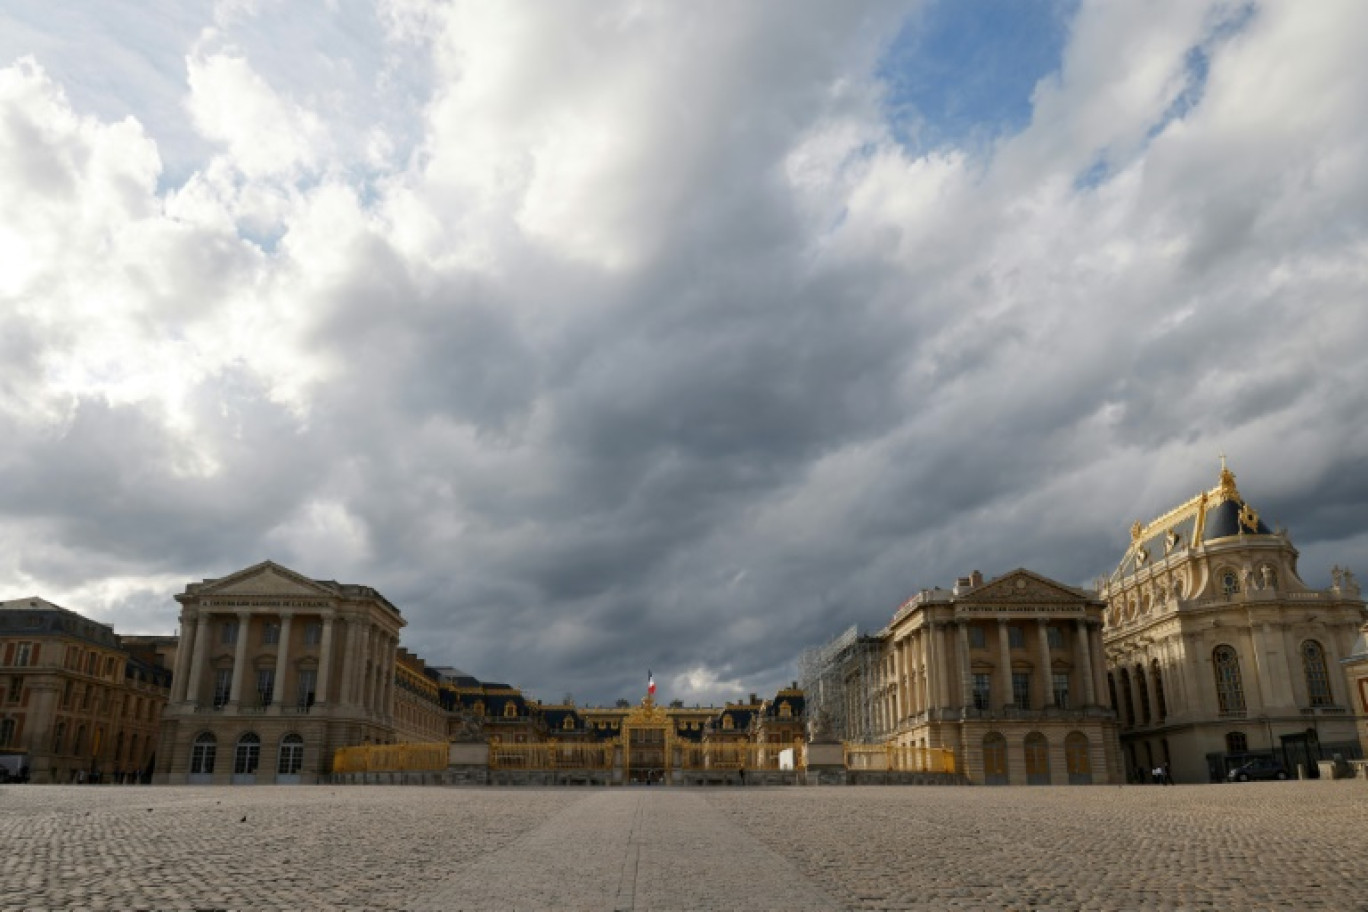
[(736, 756), (899, 758), (396, 758), (551, 756)]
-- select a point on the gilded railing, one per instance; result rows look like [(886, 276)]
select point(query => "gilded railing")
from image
[(899, 758), (396, 758), (551, 756), (737, 756)]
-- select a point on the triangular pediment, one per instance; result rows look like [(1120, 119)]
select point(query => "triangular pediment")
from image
[(1023, 586), (266, 578)]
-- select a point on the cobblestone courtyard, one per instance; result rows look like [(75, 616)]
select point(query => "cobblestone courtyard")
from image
[(1252, 846)]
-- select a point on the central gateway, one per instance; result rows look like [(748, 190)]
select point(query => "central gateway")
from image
[(650, 744)]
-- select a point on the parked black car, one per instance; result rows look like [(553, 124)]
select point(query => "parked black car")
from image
[(1258, 768)]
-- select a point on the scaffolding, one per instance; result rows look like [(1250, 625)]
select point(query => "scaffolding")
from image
[(840, 681)]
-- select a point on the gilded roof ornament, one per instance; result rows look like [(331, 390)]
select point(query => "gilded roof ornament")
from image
[(1137, 529)]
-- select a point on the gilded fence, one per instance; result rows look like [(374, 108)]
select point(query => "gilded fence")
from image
[(899, 758), (396, 758), (551, 756), (739, 756)]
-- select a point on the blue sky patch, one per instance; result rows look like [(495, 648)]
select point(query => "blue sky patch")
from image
[(962, 72)]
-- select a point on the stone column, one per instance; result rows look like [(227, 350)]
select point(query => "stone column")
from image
[(934, 670), (387, 709), (358, 670), (324, 661), (949, 691), (282, 667), (203, 634), (184, 649), (899, 692), (1100, 663), (1004, 675), (1259, 647), (1085, 674), (239, 659), (966, 670), (1046, 670)]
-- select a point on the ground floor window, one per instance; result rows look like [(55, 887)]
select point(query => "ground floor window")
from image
[(202, 754), (291, 755), (1037, 751), (1077, 760), (248, 754), (995, 759)]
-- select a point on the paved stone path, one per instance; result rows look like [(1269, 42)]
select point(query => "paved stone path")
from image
[(1253, 846)]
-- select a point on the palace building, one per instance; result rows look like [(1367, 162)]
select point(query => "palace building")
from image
[(1008, 674), (77, 702), (1217, 649)]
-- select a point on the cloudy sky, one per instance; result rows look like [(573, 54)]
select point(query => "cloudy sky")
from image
[(603, 337)]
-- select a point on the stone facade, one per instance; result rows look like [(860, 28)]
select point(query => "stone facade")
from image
[(275, 672), (1216, 648), (1006, 673), (75, 700)]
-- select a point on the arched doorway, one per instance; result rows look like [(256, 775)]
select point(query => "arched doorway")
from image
[(995, 759), (1037, 751), (246, 758), (1076, 759), (647, 745)]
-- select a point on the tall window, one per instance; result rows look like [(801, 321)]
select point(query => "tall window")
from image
[(1021, 689), (1037, 759), (291, 756), (304, 689), (202, 753), (1076, 758), (1317, 681), (1144, 694), (223, 685), (1127, 699), (1061, 689), (22, 653), (16, 689), (270, 633), (78, 747), (995, 759), (228, 633), (977, 637), (1229, 688), (313, 633), (248, 754), (1161, 706), (983, 696), (1016, 638), (6, 731), (1054, 637), (265, 685), (58, 737)]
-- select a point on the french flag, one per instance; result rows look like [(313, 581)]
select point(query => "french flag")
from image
[(650, 683)]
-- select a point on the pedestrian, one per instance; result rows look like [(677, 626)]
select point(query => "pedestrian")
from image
[(1168, 776)]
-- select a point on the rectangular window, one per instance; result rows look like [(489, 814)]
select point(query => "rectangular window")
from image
[(6, 732), (16, 689), (983, 691), (265, 685), (58, 736), (228, 633), (223, 685), (66, 696), (305, 690), (21, 654), (87, 696), (90, 663), (1055, 637), (1016, 638), (1061, 691), (270, 633), (1021, 689), (977, 638), (313, 633)]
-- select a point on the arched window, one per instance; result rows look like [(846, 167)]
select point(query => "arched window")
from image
[(785, 710), (247, 755), (510, 710), (1037, 751), (728, 723), (291, 755), (1229, 688), (1127, 698), (1317, 681), (1230, 582), (1236, 743), (1144, 694), (202, 753), (567, 723), (1161, 704), (994, 759), (1076, 759)]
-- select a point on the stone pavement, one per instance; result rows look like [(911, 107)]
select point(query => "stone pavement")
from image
[(1274, 845)]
